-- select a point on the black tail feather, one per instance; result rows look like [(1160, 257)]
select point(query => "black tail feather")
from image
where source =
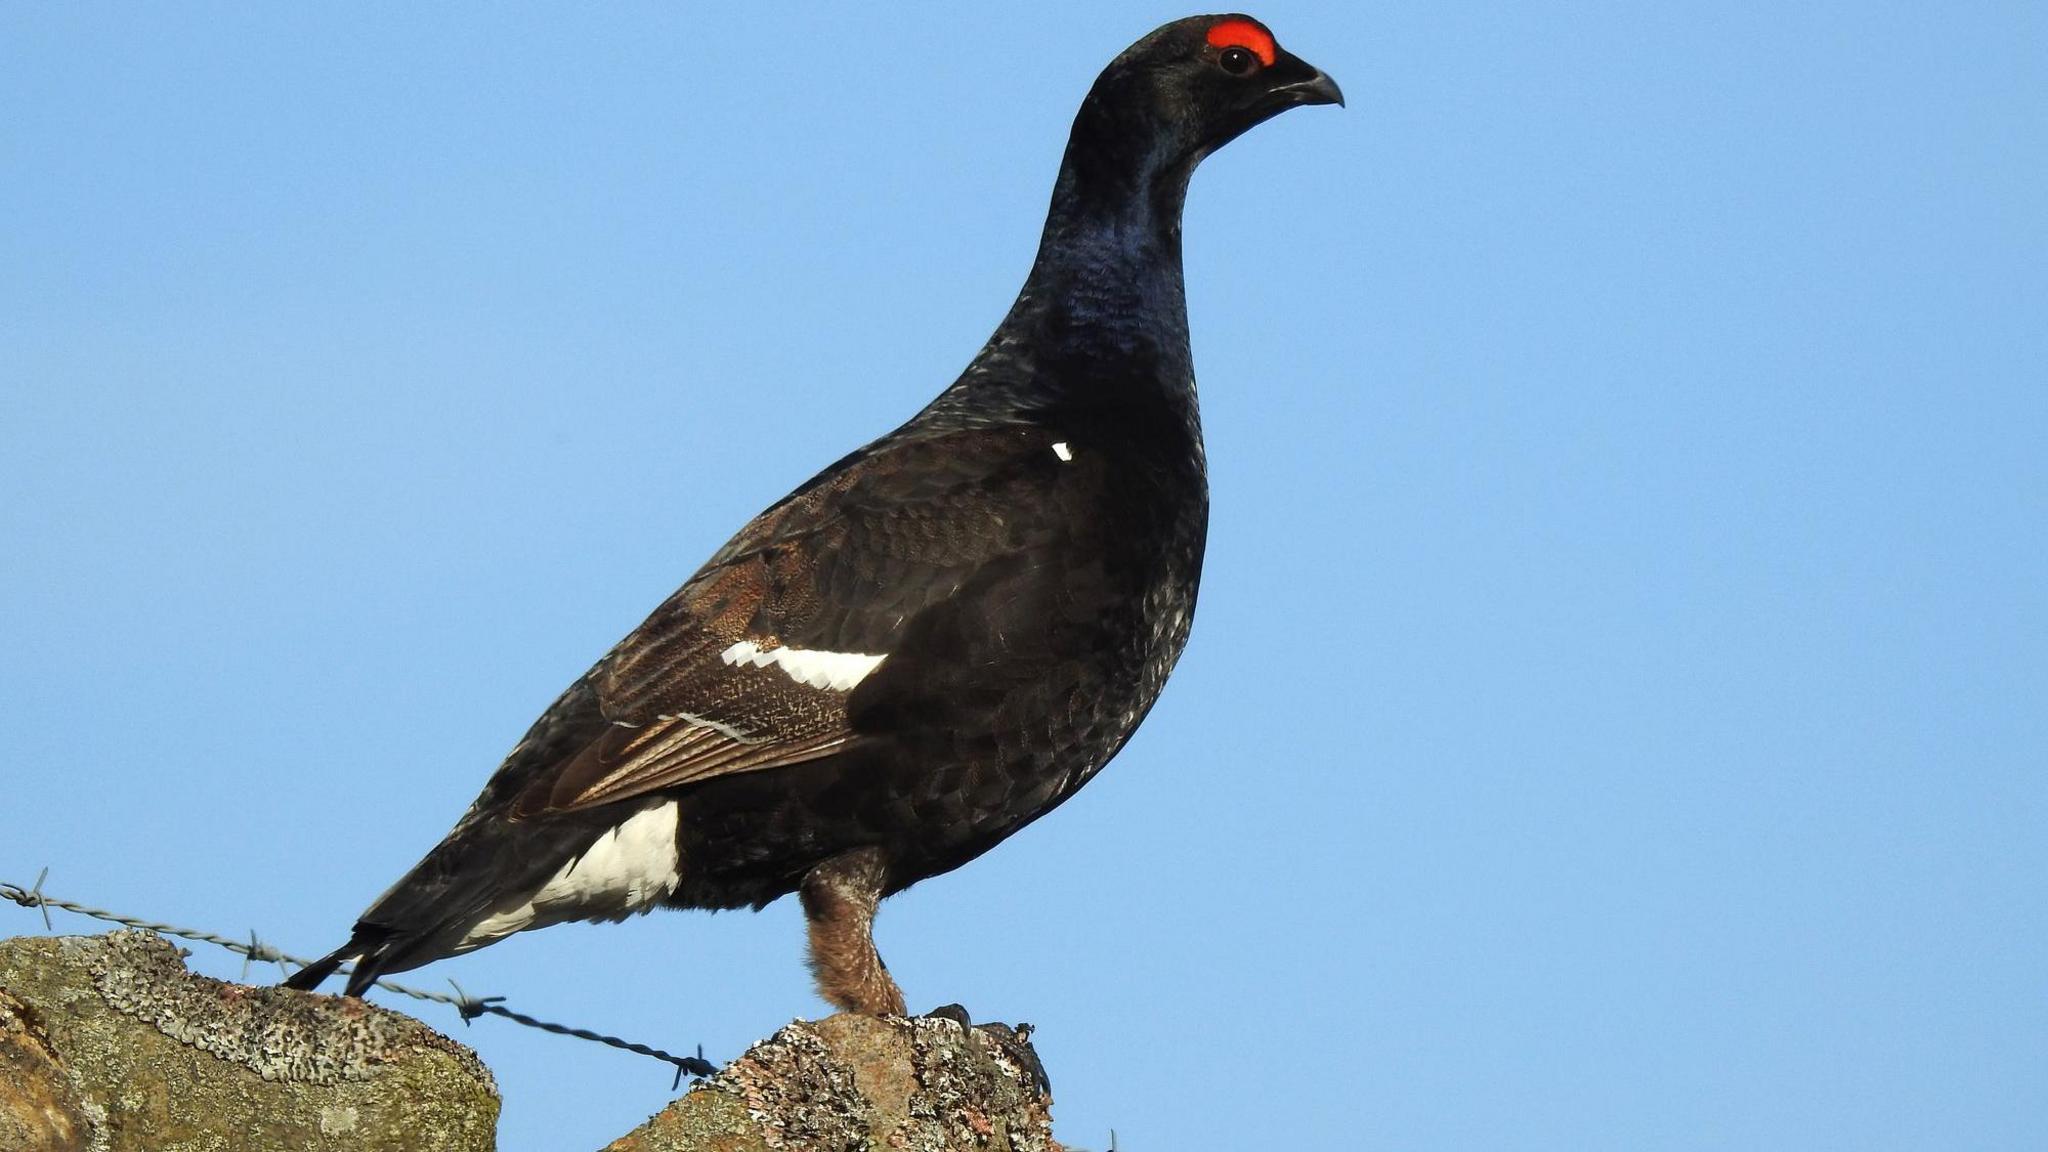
[(369, 947), (312, 975), (368, 968), (421, 918)]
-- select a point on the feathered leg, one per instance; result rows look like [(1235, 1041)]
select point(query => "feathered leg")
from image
[(839, 898)]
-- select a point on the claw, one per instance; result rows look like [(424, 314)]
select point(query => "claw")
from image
[(1014, 1041)]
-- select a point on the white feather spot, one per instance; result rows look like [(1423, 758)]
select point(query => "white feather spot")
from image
[(835, 671), (723, 729), (628, 869), (1060, 449)]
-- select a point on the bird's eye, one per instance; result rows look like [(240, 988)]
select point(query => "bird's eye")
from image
[(1238, 61)]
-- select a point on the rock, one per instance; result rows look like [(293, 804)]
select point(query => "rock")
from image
[(859, 1082), (107, 1043), (39, 1106)]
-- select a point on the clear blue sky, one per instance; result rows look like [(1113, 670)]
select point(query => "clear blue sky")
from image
[(1615, 715)]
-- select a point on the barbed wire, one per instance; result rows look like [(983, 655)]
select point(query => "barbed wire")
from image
[(256, 951)]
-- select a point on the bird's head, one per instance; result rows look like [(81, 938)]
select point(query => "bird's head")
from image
[(1193, 86)]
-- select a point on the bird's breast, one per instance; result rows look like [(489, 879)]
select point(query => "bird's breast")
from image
[(1110, 604)]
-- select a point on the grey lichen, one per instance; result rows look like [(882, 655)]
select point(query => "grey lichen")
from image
[(796, 1093), (972, 1095), (277, 1034)]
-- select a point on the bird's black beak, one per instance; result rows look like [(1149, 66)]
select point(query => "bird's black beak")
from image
[(1306, 83)]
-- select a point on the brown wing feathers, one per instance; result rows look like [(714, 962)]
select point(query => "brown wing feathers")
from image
[(838, 567), (679, 711)]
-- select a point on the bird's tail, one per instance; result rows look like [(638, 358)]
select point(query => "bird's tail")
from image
[(369, 946), (484, 868), (313, 975)]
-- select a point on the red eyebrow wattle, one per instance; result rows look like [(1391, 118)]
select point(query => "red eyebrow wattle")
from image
[(1244, 34)]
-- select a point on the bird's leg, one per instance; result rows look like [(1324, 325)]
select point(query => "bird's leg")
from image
[(839, 902)]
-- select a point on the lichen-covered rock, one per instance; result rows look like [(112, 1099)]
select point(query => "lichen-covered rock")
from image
[(855, 1083), (148, 1056), (39, 1106), (107, 1044)]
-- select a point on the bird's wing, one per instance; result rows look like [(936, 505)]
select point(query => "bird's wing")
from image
[(751, 663)]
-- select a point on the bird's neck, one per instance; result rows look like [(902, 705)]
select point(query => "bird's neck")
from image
[(1102, 318), (1117, 176), (1108, 273), (1109, 263)]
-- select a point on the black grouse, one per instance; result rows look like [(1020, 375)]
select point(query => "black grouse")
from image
[(933, 641)]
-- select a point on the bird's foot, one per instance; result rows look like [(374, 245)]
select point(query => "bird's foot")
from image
[(1014, 1041)]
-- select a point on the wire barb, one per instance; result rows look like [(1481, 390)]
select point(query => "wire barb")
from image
[(467, 1006), (36, 894)]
